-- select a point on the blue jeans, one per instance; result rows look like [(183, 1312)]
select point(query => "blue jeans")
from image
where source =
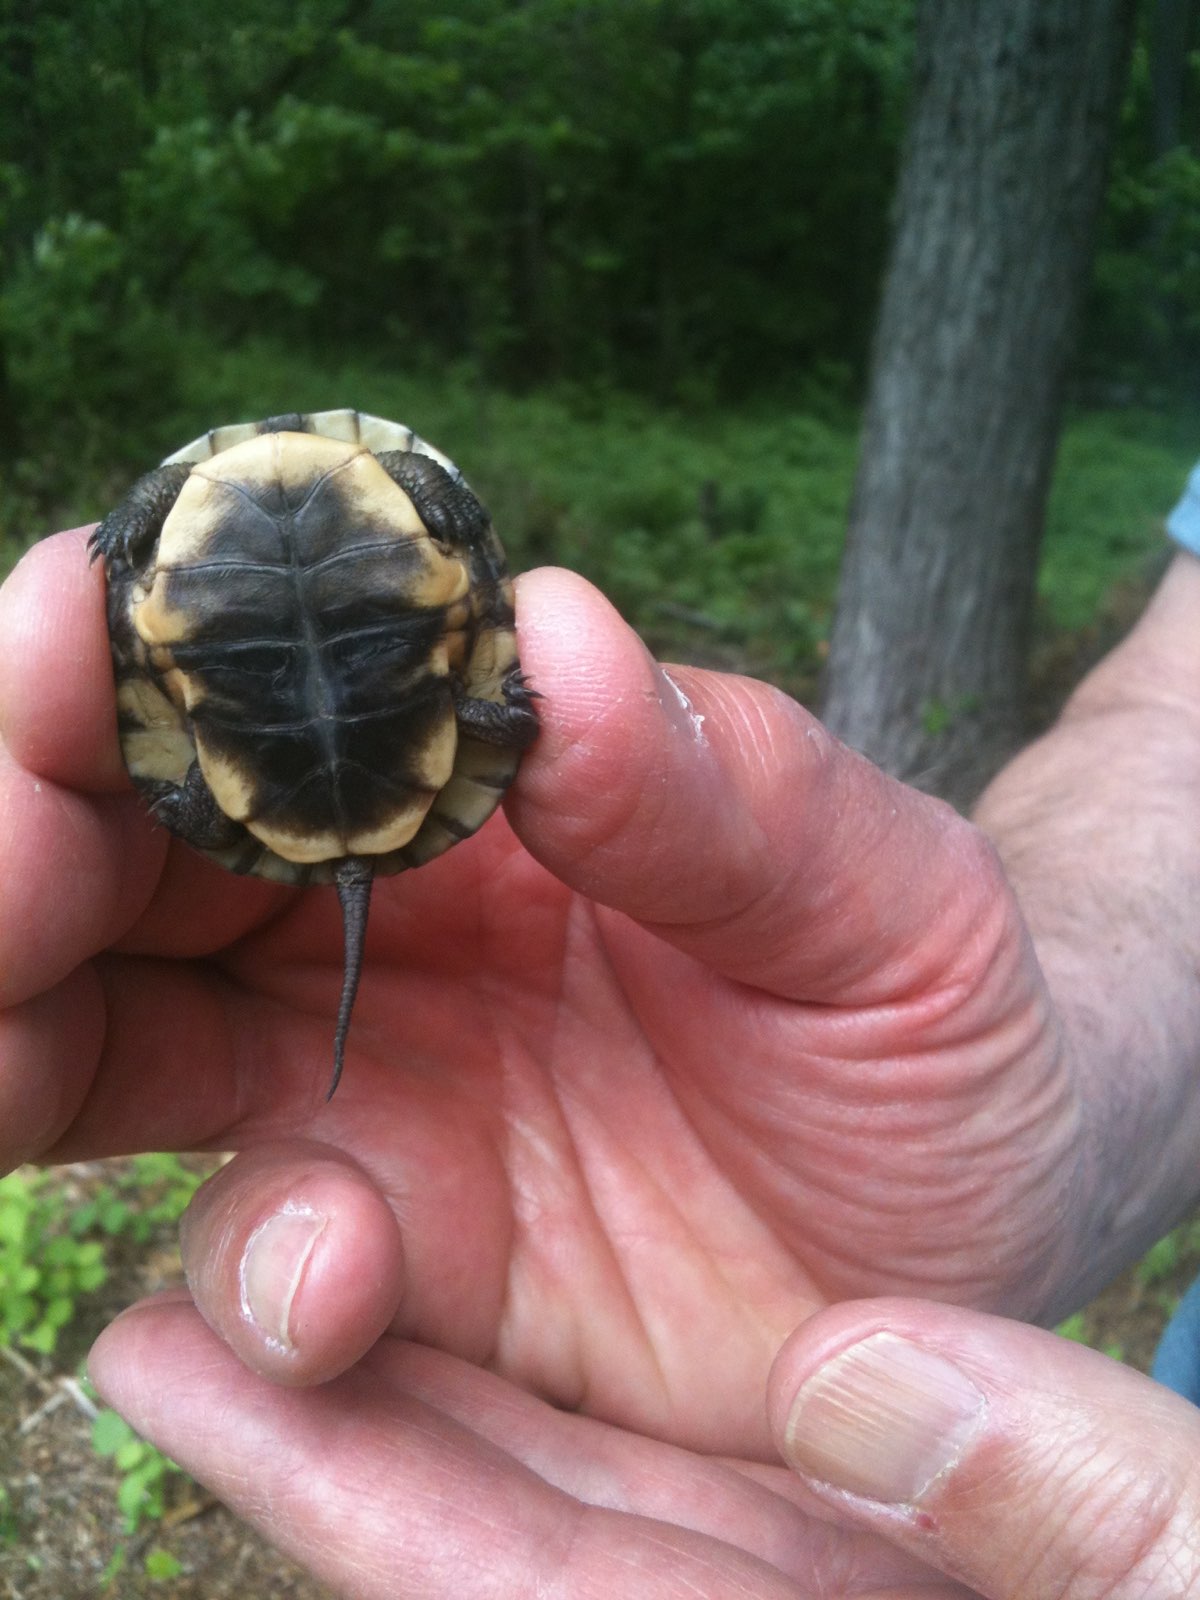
[(1177, 1359)]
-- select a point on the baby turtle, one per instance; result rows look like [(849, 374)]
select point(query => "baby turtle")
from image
[(316, 666)]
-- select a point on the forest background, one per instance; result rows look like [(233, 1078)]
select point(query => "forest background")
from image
[(622, 260)]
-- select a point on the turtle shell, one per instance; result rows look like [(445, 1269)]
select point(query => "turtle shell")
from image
[(313, 643), (313, 639)]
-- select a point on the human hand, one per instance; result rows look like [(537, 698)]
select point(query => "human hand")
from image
[(947, 1455), (725, 1026)]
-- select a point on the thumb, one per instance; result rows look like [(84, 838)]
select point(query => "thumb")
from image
[(1024, 1465)]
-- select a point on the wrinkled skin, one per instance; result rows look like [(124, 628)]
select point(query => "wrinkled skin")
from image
[(719, 1028)]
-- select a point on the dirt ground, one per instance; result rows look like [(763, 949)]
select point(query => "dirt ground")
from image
[(59, 1522), (60, 1526)]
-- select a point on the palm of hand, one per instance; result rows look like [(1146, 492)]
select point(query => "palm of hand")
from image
[(607, 1159)]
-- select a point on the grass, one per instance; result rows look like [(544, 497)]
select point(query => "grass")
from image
[(1118, 475), (717, 533)]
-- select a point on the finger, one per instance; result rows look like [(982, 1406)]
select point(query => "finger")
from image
[(57, 702), (717, 811), (1023, 1464), (49, 1047), (58, 724), (294, 1258), (413, 1475), (75, 872), (83, 868)]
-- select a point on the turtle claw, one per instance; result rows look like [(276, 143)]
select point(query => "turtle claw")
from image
[(127, 535)]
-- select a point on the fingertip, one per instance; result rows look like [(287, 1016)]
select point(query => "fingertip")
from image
[(621, 745), (121, 1358), (582, 658), (295, 1259)]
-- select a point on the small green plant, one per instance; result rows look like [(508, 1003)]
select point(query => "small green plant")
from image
[(44, 1268), (148, 1192), (145, 1472), (53, 1249), (161, 1565)]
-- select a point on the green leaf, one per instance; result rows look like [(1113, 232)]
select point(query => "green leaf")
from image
[(161, 1564), (59, 1312), (140, 1493), (109, 1432), (43, 1338), (114, 1215), (130, 1455), (91, 1278), (131, 1499)]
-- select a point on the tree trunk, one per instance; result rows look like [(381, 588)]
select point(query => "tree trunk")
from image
[(1013, 110)]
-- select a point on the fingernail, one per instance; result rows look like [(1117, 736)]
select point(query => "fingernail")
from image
[(273, 1264), (883, 1419)]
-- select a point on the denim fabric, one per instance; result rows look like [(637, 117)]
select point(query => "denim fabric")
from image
[(1177, 1359), (1184, 522)]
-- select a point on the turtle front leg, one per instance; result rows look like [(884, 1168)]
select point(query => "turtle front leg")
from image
[(512, 724), (128, 533)]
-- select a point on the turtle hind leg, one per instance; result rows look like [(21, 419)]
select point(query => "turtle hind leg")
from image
[(511, 723), (353, 877), (190, 811), (128, 533)]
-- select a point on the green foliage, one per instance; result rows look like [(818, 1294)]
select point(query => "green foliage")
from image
[(44, 1268), (1144, 318), (84, 344), (544, 190), (161, 1565), (1178, 1250), (686, 197), (1074, 1328), (148, 1192), (1118, 475), (145, 1473), (53, 1251), (1077, 1328)]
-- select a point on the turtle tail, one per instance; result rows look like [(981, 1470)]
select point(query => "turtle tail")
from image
[(353, 877)]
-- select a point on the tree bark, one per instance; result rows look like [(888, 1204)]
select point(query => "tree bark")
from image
[(1013, 112)]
